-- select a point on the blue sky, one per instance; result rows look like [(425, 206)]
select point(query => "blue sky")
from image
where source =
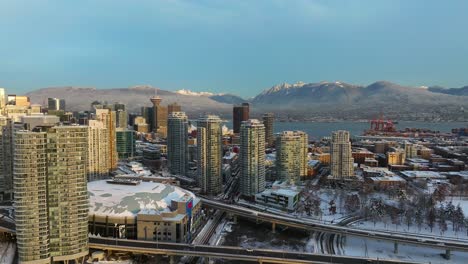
[(236, 46)]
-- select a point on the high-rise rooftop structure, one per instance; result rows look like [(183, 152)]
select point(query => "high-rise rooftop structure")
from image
[(209, 152), (268, 121), (177, 143), (108, 117), (56, 104), (2, 100), (342, 162), (252, 157), (174, 107), (291, 156), (98, 151), (51, 199), (239, 113)]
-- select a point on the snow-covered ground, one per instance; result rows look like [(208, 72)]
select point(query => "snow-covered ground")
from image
[(354, 246), (413, 229), (7, 252), (463, 201)]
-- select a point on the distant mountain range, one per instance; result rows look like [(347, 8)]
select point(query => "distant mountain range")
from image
[(299, 101)]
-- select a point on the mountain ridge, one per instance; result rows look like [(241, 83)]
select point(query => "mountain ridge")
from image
[(335, 100)]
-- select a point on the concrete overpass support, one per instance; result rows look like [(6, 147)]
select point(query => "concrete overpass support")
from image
[(447, 254), (395, 247)]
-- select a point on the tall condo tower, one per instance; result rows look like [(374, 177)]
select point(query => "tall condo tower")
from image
[(6, 158), (51, 198), (99, 163), (239, 113), (108, 117), (291, 156), (342, 161), (268, 120), (252, 157), (177, 143), (209, 152)]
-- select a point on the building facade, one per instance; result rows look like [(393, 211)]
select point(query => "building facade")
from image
[(98, 151), (252, 157), (51, 199), (55, 104), (108, 117), (177, 143), (209, 153), (125, 140), (239, 113), (268, 121), (6, 158), (291, 156), (342, 162)]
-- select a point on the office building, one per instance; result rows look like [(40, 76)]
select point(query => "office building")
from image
[(209, 153), (239, 113), (108, 117), (98, 151), (125, 140), (342, 162), (56, 104), (51, 199), (177, 143), (268, 122), (252, 157), (291, 156)]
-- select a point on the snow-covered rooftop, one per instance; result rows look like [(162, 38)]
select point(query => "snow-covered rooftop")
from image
[(129, 200)]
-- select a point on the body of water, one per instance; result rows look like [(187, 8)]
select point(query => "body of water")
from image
[(317, 130)]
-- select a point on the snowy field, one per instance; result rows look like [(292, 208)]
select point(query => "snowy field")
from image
[(354, 246)]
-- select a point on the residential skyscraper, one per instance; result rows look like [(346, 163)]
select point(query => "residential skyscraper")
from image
[(209, 152), (122, 119), (268, 121), (108, 117), (342, 162), (291, 156), (6, 158), (177, 143), (98, 151), (252, 157), (239, 113), (51, 199)]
